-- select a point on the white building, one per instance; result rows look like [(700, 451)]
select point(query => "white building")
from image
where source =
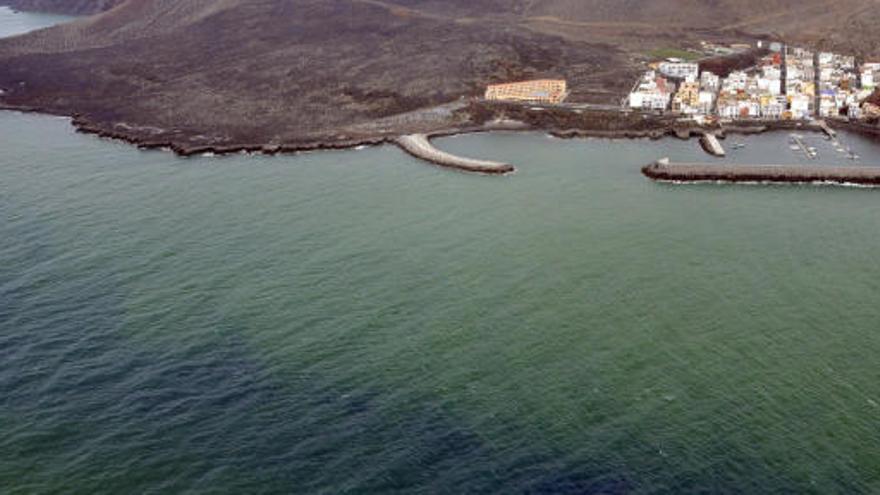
[(772, 72), (827, 106), (854, 112), (736, 81), (800, 106), (773, 110), (867, 78), (706, 101), (771, 86), (651, 93), (680, 70), (709, 81)]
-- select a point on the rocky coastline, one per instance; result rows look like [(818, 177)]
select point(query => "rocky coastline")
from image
[(512, 118)]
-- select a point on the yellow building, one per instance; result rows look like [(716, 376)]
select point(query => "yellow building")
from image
[(540, 91), (687, 99)]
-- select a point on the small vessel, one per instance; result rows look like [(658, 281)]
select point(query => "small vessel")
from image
[(794, 147)]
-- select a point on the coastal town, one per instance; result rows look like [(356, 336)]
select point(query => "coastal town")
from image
[(718, 89), (788, 83), (785, 83)]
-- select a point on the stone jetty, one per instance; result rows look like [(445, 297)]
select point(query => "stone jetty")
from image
[(419, 146), (696, 172), (711, 145)]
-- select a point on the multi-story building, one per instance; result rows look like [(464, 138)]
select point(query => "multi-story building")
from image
[(709, 81), (680, 70), (687, 99), (800, 105), (868, 75), (552, 91), (651, 93)]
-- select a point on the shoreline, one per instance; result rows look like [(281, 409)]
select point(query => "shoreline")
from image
[(659, 127)]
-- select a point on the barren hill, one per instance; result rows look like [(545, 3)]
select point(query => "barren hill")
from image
[(193, 72)]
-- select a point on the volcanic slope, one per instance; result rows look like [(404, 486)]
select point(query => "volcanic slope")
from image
[(271, 72), (231, 72)]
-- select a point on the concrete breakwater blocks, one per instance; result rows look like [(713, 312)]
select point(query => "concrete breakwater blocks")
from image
[(420, 147), (663, 170)]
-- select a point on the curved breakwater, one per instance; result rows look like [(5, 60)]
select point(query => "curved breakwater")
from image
[(419, 146)]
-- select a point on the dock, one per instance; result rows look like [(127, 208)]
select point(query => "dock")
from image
[(663, 170), (419, 146), (827, 129), (798, 141), (711, 144)]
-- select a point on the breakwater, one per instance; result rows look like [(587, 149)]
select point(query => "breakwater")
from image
[(419, 146), (710, 143), (697, 172)]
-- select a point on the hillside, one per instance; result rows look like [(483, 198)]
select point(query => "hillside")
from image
[(196, 72)]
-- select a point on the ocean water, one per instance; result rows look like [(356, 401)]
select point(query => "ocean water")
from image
[(360, 322), (13, 23)]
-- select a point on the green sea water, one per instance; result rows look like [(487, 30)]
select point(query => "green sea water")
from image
[(360, 322)]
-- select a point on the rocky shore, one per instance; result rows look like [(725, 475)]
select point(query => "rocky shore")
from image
[(458, 118)]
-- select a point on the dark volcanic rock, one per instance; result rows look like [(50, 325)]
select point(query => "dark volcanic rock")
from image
[(230, 73), (250, 71)]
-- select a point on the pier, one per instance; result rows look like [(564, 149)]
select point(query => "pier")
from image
[(710, 143), (663, 170), (827, 130), (419, 146), (798, 141)]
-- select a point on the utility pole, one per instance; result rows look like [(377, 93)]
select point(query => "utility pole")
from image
[(784, 69), (817, 82)]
